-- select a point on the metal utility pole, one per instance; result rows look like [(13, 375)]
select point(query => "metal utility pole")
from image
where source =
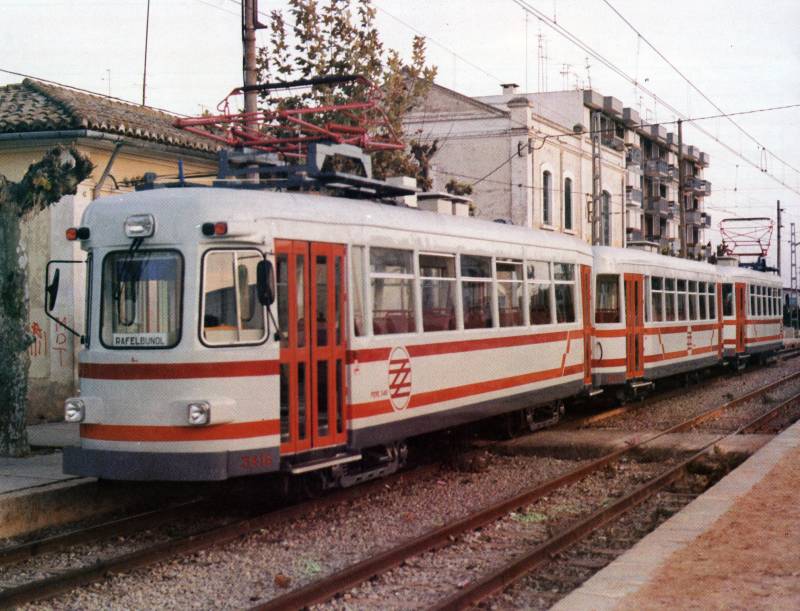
[(681, 202), (779, 238), (793, 313), (144, 72), (597, 185), (249, 8)]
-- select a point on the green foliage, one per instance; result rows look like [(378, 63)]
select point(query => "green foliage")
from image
[(57, 174), (457, 187), (339, 37)]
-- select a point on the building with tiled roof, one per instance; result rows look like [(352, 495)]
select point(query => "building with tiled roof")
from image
[(124, 141)]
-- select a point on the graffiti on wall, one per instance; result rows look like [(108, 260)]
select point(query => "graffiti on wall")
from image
[(43, 346)]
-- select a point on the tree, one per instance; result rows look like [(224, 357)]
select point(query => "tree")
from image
[(57, 174), (339, 37)]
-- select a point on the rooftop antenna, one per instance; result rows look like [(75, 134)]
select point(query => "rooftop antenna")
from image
[(526, 51), (146, 37), (108, 80), (540, 62), (566, 69), (588, 72)]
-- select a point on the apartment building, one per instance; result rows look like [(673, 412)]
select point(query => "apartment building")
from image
[(546, 160)]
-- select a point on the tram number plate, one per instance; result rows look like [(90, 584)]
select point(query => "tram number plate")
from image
[(256, 461)]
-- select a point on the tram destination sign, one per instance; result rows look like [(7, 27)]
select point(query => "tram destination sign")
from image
[(139, 340)]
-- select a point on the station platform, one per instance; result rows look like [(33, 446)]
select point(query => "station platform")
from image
[(735, 546), (43, 466)]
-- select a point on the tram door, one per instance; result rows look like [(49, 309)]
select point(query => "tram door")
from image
[(311, 317), (634, 324), (586, 303), (741, 300)]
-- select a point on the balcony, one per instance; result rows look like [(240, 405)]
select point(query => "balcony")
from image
[(659, 133), (612, 106), (633, 197), (656, 168), (630, 117), (705, 219), (658, 206), (634, 157), (614, 142), (693, 153), (697, 186), (705, 159), (693, 217), (672, 171), (634, 235)]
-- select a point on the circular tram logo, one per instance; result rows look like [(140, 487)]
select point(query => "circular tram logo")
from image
[(399, 378)]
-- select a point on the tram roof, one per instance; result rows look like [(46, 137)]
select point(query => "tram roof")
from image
[(192, 206), (621, 257)]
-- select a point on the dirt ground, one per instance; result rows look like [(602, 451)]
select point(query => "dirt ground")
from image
[(750, 559)]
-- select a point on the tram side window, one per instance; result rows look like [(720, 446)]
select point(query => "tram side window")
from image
[(357, 289), (763, 292), (539, 286), (476, 291), (712, 301), (727, 300), (564, 277), (607, 300), (657, 296), (752, 300), (438, 273), (692, 299), (681, 299), (509, 292), (669, 299), (701, 298), (232, 313), (392, 282)]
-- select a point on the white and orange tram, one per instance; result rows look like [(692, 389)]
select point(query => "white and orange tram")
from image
[(233, 332)]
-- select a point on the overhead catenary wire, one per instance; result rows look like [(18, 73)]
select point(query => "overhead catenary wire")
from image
[(695, 87), (617, 70)]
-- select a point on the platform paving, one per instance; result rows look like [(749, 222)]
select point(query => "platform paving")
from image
[(639, 579)]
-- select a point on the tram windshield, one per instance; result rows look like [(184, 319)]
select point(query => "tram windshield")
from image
[(141, 297)]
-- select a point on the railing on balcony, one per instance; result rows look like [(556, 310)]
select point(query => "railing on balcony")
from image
[(658, 206), (634, 157), (633, 196), (705, 219), (693, 217), (672, 172), (698, 186), (656, 167), (614, 142)]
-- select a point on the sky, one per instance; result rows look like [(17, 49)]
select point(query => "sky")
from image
[(742, 55)]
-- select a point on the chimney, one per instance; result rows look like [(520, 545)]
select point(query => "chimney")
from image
[(510, 88)]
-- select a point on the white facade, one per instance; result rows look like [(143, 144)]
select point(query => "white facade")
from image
[(529, 159)]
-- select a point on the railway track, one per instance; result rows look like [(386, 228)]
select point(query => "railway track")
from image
[(315, 592), (342, 581), (99, 569)]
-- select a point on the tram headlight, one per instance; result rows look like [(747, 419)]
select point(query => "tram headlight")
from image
[(74, 410), (199, 413), (140, 226)]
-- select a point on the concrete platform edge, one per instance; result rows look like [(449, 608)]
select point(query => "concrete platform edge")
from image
[(34, 508), (635, 568)]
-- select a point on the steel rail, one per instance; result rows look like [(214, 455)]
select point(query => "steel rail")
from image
[(351, 576), (123, 525), (70, 579), (501, 578)]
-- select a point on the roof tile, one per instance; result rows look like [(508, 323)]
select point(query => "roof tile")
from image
[(35, 106)]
